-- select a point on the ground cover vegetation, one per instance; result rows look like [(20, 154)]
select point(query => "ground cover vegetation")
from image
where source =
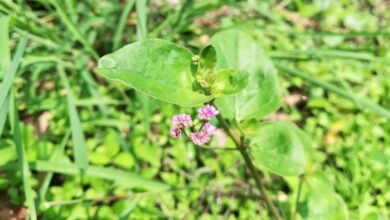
[(194, 109)]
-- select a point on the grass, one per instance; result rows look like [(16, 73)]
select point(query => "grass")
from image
[(120, 137), (122, 23), (5, 60), (4, 43), (142, 33), (6, 85), (361, 102), (123, 178), (79, 145), (7, 100), (23, 165), (73, 28)]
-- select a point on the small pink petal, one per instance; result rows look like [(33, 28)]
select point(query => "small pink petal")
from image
[(175, 120), (181, 119), (209, 129), (207, 112), (175, 132), (185, 119), (199, 138)]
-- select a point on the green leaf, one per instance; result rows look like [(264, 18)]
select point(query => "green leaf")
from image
[(111, 144), (317, 182), (156, 67), (237, 50), (229, 81), (218, 82), (7, 152), (103, 154), (208, 58), (278, 147), (326, 206), (321, 201), (124, 160)]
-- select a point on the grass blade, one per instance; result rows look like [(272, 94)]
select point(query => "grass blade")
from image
[(3, 114), (338, 54), (142, 33), (4, 46), (72, 27), (363, 34), (102, 106), (122, 23), (79, 145), (5, 98), (22, 163), (120, 177), (129, 208), (10, 75), (361, 101), (5, 59), (6, 85), (56, 155)]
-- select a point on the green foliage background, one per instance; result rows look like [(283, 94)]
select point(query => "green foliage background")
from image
[(57, 106)]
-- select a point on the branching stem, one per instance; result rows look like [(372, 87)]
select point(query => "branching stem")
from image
[(241, 146)]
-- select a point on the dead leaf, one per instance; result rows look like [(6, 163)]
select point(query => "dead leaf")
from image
[(43, 122), (294, 99)]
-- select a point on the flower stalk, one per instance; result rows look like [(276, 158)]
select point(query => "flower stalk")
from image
[(207, 130)]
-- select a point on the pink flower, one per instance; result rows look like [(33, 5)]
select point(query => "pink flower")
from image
[(199, 138), (175, 132), (181, 119), (209, 129), (207, 112)]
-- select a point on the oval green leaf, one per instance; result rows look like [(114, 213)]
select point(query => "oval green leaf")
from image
[(208, 58), (321, 201), (156, 67), (237, 50), (327, 206), (229, 81), (278, 147)]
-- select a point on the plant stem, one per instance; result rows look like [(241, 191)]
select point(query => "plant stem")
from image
[(240, 144), (298, 196)]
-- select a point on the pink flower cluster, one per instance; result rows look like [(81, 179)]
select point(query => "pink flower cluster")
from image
[(204, 134)]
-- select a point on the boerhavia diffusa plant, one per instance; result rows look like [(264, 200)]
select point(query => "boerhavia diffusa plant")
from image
[(234, 81)]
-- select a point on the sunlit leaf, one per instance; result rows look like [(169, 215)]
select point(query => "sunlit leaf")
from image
[(208, 58), (278, 147), (7, 152), (237, 50), (321, 201), (229, 81), (156, 67)]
